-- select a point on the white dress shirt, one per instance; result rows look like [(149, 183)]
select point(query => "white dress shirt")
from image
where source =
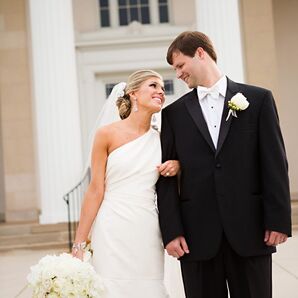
[(212, 103)]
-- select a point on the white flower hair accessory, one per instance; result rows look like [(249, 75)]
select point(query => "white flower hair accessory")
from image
[(237, 103), (120, 89)]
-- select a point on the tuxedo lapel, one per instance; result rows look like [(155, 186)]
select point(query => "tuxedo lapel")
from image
[(194, 108), (232, 89)]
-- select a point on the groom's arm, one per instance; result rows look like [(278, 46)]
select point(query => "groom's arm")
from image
[(167, 189), (274, 167)]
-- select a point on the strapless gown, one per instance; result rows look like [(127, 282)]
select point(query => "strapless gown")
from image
[(126, 239)]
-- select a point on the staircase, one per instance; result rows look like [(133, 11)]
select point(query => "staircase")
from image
[(37, 236), (33, 236)]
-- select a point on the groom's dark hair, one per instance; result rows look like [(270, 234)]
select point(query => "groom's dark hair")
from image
[(187, 43)]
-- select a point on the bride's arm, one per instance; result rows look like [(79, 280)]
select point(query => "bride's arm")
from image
[(95, 191), (169, 168)]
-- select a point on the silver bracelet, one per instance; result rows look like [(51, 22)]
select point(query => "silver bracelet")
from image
[(79, 246)]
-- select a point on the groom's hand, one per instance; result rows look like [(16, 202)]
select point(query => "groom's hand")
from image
[(177, 247), (273, 238)]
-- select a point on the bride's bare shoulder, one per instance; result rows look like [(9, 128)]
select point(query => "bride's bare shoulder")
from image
[(106, 133)]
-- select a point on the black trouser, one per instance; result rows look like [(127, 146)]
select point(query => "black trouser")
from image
[(246, 277)]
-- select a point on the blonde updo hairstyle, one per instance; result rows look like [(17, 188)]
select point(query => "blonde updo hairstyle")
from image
[(135, 80)]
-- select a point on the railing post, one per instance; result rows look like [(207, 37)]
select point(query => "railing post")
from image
[(75, 195), (66, 199)]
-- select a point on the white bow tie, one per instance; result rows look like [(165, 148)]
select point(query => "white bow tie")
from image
[(213, 91)]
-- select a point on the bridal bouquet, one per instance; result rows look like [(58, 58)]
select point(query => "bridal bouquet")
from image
[(64, 276)]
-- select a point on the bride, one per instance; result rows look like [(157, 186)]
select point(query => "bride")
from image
[(120, 200)]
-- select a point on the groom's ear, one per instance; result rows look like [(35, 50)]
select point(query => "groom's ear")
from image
[(199, 53)]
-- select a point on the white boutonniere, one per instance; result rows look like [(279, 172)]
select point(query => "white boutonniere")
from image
[(237, 103)]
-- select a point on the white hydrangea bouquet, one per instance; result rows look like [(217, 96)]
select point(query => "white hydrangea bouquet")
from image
[(64, 276)]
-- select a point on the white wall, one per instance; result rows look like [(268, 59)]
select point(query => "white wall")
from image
[(286, 40), (2, 191)]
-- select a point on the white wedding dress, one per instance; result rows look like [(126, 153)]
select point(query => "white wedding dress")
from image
[(126, 240)]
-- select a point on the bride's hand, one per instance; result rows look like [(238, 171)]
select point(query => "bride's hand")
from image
[(78, 254), (169, 168)]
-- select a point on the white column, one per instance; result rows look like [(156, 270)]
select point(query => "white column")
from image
[(220, 20), (56, 104)]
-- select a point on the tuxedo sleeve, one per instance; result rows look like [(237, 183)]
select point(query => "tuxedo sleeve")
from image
[(167, 189), (274, 167)]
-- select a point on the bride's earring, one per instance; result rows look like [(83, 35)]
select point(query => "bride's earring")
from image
[(153, 120), (135, 107)]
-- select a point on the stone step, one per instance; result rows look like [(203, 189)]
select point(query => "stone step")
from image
[(34, 238), (7, 229), (33, 235), (42, 245)]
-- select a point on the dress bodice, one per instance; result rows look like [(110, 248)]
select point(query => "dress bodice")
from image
[(132, 168)]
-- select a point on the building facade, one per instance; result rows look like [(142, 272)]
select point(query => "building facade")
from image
[(59, 60)]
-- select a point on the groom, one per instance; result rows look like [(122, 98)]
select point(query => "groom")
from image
[(231, 206)]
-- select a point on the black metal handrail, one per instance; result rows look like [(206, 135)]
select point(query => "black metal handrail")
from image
[(74, 200)]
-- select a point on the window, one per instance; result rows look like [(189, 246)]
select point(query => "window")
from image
[(163, 11), (133, 10), (109, 88), (104, 13), (114, 13), (169, 87)]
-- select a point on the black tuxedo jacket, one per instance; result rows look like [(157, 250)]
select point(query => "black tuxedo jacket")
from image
[(240, 189)]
